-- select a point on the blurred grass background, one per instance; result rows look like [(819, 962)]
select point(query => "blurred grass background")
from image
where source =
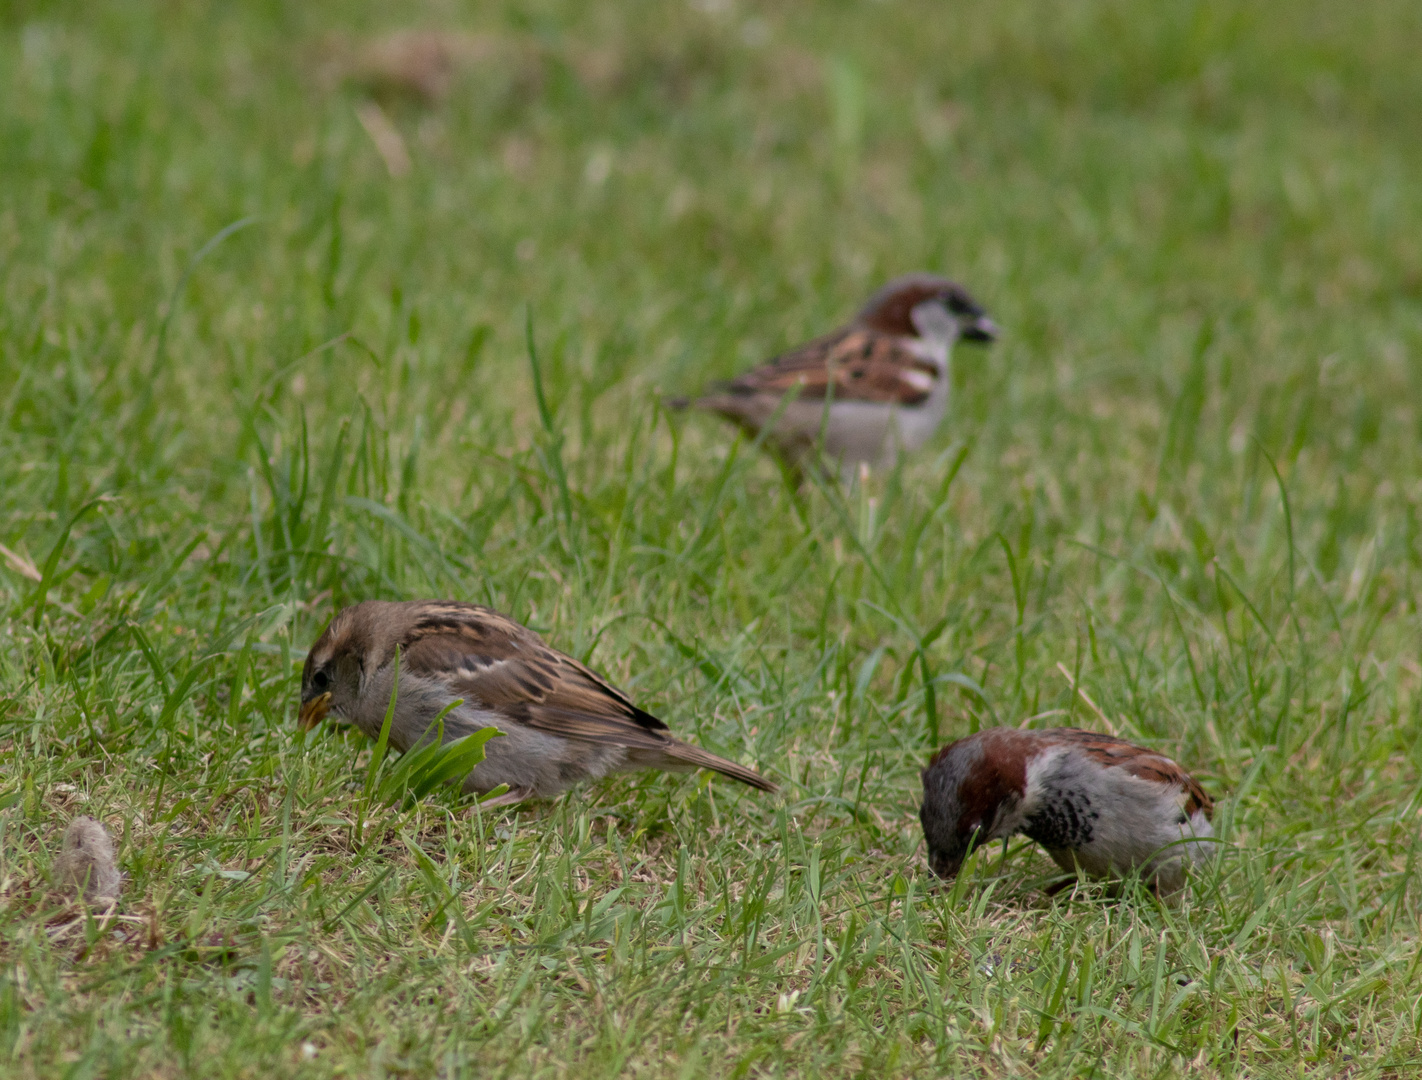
[(253, 367)]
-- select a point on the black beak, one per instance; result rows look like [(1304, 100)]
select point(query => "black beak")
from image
[(945, 867), (979, 328)]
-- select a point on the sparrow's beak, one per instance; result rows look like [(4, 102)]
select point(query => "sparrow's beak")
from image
[(980, 328), (313, 711), (943, 865)]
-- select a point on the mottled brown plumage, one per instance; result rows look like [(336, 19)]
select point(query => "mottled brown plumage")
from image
[(853, 364), (561, 721)]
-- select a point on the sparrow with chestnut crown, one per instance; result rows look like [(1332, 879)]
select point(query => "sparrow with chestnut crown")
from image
[(1096, 803), (867, 391)]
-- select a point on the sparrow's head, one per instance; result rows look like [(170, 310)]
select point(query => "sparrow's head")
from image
[(916, 304), (968, 789), (356, 643)]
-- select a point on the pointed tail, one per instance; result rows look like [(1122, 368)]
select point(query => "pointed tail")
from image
[(696, 757)]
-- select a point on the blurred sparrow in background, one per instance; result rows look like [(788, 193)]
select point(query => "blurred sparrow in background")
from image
[(1094, 802), (867, 391), (561, 723)]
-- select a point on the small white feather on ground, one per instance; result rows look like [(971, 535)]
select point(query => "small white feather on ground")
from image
[(87, 862)]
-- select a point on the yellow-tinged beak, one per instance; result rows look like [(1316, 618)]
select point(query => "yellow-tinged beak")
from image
[(313, 711)]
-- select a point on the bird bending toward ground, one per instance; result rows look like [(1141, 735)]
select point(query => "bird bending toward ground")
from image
[(560, 722), (867, 391), (1095, 802)]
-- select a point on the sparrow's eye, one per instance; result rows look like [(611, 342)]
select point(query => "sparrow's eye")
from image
[(321, 681), (960, 305)]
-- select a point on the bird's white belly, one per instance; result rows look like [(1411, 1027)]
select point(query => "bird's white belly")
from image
[(1135, 824), (867, 431)]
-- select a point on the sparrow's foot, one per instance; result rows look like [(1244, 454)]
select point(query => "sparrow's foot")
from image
[(509, 798)]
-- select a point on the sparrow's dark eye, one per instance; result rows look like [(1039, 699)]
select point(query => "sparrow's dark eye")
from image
[(961, 305), (321, 681)]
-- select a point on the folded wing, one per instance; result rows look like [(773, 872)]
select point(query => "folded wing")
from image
[(498, 665), (855, 364), (1138, 761)]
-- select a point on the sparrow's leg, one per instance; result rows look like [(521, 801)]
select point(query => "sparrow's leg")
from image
[(509, 798)]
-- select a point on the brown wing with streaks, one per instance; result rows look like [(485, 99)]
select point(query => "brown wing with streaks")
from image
[(494, 662), (860, 364), (1138, 761)]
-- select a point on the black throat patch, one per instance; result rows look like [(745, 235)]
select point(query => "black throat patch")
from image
[(1066, 819)]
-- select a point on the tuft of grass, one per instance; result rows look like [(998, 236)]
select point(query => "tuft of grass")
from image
[(247, 375)]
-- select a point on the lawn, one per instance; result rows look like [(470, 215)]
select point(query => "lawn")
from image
[(276, 336)]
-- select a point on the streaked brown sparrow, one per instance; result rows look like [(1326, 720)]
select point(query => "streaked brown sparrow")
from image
[(1095, 802), (867, 391), (561, 722)]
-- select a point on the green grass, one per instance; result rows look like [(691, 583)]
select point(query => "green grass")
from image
[(1188, 486)]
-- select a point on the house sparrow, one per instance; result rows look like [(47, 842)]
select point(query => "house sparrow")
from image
[(86, 863), (1093, 801), (560, 722), (867, 390)]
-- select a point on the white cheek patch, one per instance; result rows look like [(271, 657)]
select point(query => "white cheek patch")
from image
[(921, 381)]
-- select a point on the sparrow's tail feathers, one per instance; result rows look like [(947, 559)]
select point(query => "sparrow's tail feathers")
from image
[(686, 754)]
